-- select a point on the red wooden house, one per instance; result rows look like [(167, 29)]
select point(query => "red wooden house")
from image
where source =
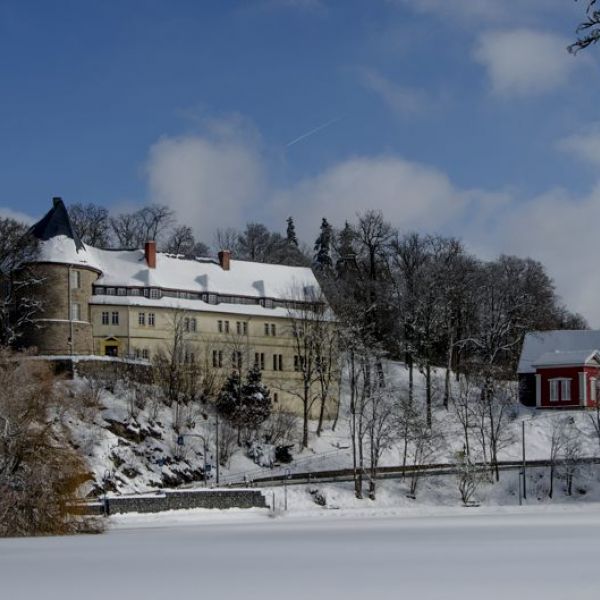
[(567, 379), (554, 373)]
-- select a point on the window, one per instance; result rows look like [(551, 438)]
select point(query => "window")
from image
[(276, 397), (154, 293), (217, 359), (99, 291), (151, 319), (273, 329), (220, 326), (134, 292), (115, 318), (259, 360), (212, 298), (110, 291), (186, 324), (226, 323), (236, 360), (593, 390), (141, 318), (245, 328), (560, 389), (137, 353), (122, 292), (104, 317), (192, 324), (75, 311), (277, 362), (238, 327), (75, 280), (145, 354), (266, 329)]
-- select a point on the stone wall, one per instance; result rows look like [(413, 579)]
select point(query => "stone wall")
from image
[(52, 328), (178, 500)]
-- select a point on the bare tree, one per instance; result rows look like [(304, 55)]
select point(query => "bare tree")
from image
[(463, 406), (589, 29), (19, 282), (40, 473), (92, 224), (468, 477), (181, 241), (381, 427), (425, 440), (557, 442), (571, 453), (227, 239), (492, 416), (127, 230)]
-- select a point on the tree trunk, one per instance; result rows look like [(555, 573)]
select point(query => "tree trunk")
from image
[(428, 392)]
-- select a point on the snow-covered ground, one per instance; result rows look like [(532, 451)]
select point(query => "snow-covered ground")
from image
[(452, 554), (136, 446)]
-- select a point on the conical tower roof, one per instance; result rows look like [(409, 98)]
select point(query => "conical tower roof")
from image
[(56, 223)]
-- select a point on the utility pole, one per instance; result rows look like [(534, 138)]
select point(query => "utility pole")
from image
[(217, 441), (524, 461)]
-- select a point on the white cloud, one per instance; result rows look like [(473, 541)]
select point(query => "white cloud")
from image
[(402, 100), (9, 213), (584, 145), (487, 11), (409, 194), (523, 62), (211, 180)]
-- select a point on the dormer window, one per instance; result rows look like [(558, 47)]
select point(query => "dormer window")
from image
[(154, 293)]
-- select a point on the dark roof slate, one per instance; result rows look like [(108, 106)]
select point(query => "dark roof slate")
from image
[(56, 222)]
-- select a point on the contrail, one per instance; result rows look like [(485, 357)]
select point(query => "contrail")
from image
[(313, 131)]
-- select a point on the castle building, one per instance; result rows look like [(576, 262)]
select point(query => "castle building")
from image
[(133, 304)]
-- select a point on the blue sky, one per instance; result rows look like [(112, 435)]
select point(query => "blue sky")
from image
[(464, 117)]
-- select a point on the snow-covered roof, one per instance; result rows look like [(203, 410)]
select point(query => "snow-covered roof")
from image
[(244, 278), (569, 358), (128, 268), (63, 249), (539, 343)]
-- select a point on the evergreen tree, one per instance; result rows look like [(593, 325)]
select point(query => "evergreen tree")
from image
[(346, 250), (323, 247), (229, 400), (292, 240), (256, 399), (246, 405)]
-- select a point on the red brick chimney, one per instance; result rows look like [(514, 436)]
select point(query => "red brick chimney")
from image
[(150, 254), (224, 259)]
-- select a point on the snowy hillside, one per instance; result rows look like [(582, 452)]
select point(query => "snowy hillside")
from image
[(131, 445)]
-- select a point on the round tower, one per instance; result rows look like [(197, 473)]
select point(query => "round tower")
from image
[(65, 272)]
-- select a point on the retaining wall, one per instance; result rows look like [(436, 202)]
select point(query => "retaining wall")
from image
[(177, 500)]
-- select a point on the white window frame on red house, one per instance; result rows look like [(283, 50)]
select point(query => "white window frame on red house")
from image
[(560, 389)]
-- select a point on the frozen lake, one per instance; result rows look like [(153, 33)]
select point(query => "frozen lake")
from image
[(550, 555)]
